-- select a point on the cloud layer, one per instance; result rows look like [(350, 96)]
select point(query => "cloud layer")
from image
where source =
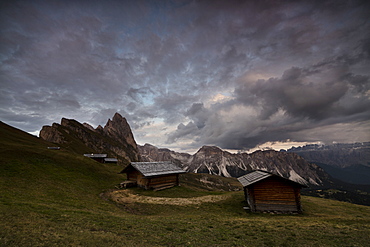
[(185, 73)]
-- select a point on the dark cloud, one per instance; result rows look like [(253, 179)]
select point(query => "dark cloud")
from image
[(227, 73), (300, 101), (317, 92), (199, 114), (182, 131)]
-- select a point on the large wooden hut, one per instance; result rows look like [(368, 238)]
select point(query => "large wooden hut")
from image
[(265, 191), (153, 175)]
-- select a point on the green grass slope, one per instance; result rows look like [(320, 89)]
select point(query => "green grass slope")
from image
[(53, 198)]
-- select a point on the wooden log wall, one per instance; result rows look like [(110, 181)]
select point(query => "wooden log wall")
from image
[(274, 194), (142, 181), (161, 182), (168, 179), (133, 175), (153, 182)]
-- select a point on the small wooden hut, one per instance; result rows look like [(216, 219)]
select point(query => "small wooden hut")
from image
[(153, 175), (110, 160), (98, 157), (265, 191)]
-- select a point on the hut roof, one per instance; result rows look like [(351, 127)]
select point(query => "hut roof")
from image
[(95, 155), (255, 176), (149, 169), (111, 160)]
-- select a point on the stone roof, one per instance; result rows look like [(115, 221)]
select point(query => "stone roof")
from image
[(96, 155), (255, 176), (150, 169), (111, 160)]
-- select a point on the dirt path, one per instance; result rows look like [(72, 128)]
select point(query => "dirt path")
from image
[(125, 196)]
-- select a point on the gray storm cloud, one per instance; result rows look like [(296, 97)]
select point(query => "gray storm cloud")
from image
[(301, 100), (228, 73)]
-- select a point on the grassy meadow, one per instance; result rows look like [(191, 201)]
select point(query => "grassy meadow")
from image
[(57, 198)]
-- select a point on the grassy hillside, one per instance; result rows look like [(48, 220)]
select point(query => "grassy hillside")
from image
[(57, 198)]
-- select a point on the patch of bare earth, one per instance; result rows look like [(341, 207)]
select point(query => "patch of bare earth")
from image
[(125, 196)]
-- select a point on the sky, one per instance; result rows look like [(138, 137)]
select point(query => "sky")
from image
[(239, 75)]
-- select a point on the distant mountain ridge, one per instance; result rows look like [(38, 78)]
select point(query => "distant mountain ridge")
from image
[(349, 162), (115, 138), (339, 155), (213, 160)]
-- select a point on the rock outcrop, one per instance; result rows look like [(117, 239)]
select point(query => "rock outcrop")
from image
[(52, 134), (115, 139)]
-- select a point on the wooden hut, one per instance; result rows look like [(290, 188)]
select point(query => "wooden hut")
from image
[(153, 175), (265, 191), (110, 160), (98, 157)]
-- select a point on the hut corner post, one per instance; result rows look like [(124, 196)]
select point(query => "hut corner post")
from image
[(297, 193), (249, 195)]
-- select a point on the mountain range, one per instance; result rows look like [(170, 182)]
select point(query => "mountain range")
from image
[(345, 184), (349, 162), (340, 155), (213, 160)]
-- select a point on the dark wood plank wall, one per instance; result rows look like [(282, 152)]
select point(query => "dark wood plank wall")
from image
[(132, 175), (152, 182), (142, 181), (168, 179), (273, 194)]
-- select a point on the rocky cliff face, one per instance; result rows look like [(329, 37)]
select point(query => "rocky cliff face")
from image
[(52, 134), (120, 130), (214, 160), (115, 139)]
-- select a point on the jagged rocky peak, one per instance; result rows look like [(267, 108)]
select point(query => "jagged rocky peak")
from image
[(148, 147), (65, 121), (151, 153), (51, 134), (88, 126), (115, 138), (210, 150), (69, 122), (119, 128), (99, 128)]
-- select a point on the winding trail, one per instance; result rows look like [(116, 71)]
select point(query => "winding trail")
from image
[(125, 196)]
